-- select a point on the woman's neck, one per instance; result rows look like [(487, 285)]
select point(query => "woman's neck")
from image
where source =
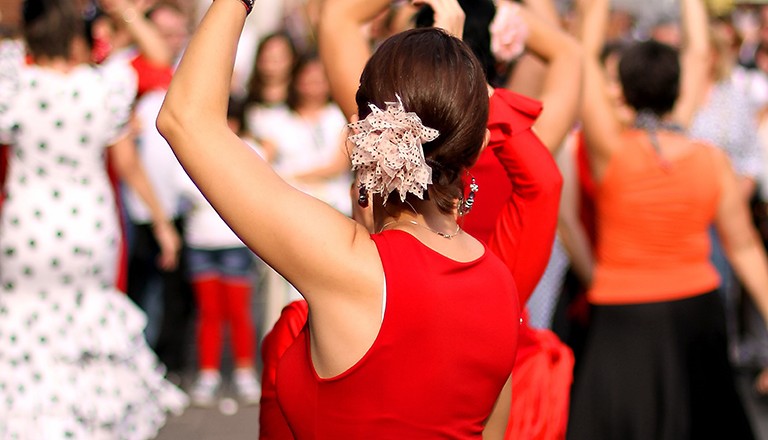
[(648, 120), (423, 213), (274, 91)]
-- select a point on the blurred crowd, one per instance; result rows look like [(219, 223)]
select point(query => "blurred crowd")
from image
[(280, 103)]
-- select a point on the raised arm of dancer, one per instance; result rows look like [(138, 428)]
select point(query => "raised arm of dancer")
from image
[(327, 256), (571, 230), (526, 226), (694, 60), (449, 16), (527, 77), (601, 125), (344, 48), (130, 14), (743, 249), (128, 166), (561, 91)]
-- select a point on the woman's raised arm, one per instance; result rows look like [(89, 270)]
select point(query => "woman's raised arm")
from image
[(344, 48), (562, 83), (694, 60), (599, 118), (312, 245)]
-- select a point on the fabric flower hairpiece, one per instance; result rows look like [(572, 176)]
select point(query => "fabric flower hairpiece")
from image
[(508, 32), (388, 152)]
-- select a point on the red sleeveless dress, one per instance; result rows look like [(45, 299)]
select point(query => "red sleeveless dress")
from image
[(515, 212), (445, 349)]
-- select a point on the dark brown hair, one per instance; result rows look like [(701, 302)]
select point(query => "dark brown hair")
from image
[(649, 72), (50, 27), (438, 78)]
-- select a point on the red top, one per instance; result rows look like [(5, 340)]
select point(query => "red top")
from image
[(444, 351), (151, 76), (653, 222), (515, 209)]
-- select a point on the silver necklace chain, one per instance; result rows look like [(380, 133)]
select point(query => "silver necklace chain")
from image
[(441, 234)]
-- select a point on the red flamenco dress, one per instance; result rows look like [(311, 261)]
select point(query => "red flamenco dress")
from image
[(515, 213)]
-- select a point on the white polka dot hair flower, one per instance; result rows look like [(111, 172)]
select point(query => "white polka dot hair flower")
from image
[(388, 153)]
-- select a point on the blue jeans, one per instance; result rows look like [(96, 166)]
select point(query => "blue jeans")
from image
[(226, 263)]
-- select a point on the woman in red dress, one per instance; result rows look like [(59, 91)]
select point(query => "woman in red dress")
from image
[(521, 190), (412, 330)]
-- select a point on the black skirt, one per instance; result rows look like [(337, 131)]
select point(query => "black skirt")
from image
[(657, 371)]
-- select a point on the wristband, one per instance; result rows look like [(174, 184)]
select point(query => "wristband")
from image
[(248, 6)]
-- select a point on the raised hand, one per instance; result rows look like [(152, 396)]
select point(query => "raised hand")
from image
[(448, 15)]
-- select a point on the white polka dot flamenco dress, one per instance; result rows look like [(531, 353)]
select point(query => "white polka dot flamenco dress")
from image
[(73, 360)]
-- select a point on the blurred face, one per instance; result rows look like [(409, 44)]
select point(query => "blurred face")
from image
[(173, 27), (275, 59), (312, 84), (667, 33), (619, 24)]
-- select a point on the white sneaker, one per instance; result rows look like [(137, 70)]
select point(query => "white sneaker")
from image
[(205, 389), (247, 386)]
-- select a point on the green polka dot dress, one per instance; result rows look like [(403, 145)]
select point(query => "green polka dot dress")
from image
[(73, 360)]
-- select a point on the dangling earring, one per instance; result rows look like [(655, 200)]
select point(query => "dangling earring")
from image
[(362, 199), (466, 205)]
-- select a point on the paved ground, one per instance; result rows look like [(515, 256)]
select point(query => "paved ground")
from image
[(211, 424), (225, 421)]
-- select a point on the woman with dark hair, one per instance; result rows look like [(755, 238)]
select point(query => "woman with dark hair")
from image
[(655, 364), (275, 59), (412, 329), (73, 360)]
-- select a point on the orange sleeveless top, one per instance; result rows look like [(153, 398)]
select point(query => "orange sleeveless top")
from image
[(653, 218)]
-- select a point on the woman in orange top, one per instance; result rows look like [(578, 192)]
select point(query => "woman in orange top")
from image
[(655, 365)]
